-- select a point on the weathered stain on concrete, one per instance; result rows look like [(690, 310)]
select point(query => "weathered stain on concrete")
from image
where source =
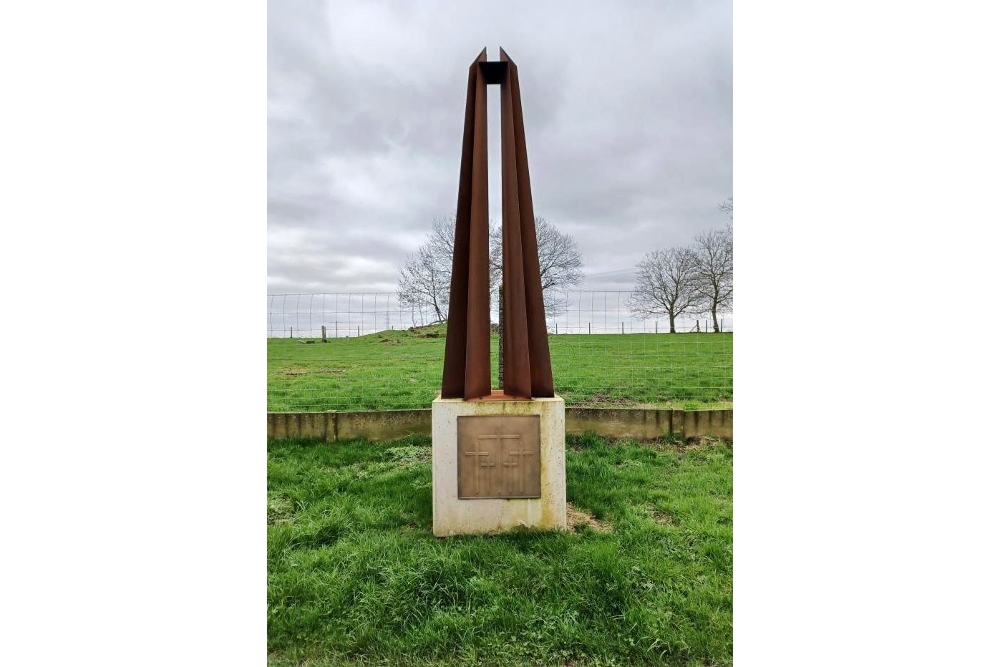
[(452, 516), (637, 423), (280, 424), (331, 426), (383, 425), (619, 422), (718, 423)]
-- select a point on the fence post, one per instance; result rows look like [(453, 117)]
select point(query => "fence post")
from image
[(290, 332), (623, 328), (359, 331), (588, 327), (656, 327), (323, 328), (500, 337)]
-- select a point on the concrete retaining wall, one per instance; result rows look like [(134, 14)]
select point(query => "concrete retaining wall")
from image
[(635, 423)]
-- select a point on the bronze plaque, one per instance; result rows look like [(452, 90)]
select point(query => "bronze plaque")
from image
[(498, 457)]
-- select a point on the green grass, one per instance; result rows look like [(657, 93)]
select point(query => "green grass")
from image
[(355, 575), (402, 369)]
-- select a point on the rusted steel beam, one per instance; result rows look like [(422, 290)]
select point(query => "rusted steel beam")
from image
[(477, 351), (538, 335), (467, 346), (525, 352), (517, 369)]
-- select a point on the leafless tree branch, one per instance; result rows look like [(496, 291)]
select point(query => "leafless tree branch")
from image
[(559, 262), (714, 269), (425, 279), (665, 284), (727, 208)]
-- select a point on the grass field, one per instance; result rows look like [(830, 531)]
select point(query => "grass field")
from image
[(402, 369), (644, 577)]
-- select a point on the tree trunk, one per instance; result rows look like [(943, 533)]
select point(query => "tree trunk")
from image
[(671, 316), (715, 320)]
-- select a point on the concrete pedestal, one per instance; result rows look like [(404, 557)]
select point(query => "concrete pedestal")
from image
[(453, 516)]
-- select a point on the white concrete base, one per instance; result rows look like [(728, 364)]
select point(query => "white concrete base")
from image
[(482, 515)]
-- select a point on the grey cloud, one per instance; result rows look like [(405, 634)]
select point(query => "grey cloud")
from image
[(628, 114)]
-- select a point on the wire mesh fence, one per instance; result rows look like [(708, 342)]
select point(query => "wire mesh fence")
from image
[(365, 351), (345, 315)]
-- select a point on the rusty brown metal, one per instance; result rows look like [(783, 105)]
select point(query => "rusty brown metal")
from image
[(525, 352), (517, 371), (498, 457), (467, 346), (538, 340)]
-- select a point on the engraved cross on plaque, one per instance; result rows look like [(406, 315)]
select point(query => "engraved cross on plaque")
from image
[(485, 441), (479, 445), (514, 454)]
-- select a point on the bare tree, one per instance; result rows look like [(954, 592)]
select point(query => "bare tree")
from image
[(665, 284), (714, 269), (727, 208), (559, 261), (425, 279)]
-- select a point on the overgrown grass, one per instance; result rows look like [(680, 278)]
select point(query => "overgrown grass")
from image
[(402, 369), (355, 575)]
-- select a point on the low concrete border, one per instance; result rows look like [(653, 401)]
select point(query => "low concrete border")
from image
[(638, 423)]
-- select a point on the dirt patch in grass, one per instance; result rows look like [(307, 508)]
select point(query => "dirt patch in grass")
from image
[(660, 517), (279, 510), (407, 456), (604, 401), (429, 331), (703, 442), (389, 341), (576, 519), (294, 371), (678, 444)]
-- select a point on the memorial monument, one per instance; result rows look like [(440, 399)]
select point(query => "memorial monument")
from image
[(498, 455)]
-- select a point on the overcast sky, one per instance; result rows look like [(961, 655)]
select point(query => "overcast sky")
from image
[(627, 113)]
